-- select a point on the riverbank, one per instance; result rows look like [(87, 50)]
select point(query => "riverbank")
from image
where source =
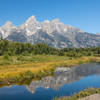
[(93, 93), (91, 97), (22, 69)]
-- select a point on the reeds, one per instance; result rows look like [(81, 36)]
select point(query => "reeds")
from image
[(27, 68)]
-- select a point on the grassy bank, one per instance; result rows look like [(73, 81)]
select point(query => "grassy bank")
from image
[(14, 69), (81, 94)]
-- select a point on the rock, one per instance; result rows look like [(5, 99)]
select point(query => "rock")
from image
[(62, 69)]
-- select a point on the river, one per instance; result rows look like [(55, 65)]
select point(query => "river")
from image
[(61, 84)]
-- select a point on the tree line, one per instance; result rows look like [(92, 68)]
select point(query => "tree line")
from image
[(16, 48)]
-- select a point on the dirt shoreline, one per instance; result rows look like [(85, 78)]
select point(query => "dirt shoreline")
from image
[(92, 97)]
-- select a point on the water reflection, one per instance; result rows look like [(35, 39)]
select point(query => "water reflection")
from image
[(61, 78)]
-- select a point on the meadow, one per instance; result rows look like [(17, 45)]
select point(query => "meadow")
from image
[(22, 69)]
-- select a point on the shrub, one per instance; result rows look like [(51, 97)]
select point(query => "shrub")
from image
[(6, 57)]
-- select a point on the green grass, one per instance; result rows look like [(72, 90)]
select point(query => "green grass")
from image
[(81, 94), (13, 60)]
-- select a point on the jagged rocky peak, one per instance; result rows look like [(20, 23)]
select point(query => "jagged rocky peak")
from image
[(57, 26), (52, 26), (31, 26), (46, 27), (32, 20), (8, 24), (7, 29), (61, 27), (73, 29)]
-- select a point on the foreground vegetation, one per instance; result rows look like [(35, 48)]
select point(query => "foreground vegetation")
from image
[(21, 62), (20, 69), (25, 68), (81, 94)]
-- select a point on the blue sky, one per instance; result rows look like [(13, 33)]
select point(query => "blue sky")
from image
[(84, 14)]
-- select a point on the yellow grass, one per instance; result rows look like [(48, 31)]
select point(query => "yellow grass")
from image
[(13, 71)]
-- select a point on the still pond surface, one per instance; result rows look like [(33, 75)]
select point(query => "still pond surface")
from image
[(61, 84)]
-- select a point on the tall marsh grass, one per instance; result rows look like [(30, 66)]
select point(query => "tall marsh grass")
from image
[(25, 68)]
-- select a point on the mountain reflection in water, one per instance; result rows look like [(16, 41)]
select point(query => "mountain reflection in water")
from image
[(61, 78)]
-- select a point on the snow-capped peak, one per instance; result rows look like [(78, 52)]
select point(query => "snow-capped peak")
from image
[(32, 19), (8, 24), (6, 29), (31, 26)]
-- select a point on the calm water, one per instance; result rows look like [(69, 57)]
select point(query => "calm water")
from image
[(61, 84)]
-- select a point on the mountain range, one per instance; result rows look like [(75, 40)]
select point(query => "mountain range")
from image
[(54, 33)]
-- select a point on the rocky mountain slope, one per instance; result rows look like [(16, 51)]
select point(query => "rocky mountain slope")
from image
[(53, 33)]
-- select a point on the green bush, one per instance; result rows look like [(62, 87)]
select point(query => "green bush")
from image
[(6, 57)]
